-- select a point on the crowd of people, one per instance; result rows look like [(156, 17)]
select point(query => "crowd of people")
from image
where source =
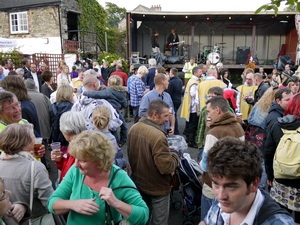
[(235, 129)]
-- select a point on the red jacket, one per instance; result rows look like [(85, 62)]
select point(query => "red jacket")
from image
[(64, 165)]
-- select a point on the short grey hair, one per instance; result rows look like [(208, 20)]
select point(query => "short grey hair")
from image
[(91, 72), (72, 123), (152, 62), (258, 75), (143, 70), (20, 71)]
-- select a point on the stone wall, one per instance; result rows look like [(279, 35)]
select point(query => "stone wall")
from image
[(43, 22)]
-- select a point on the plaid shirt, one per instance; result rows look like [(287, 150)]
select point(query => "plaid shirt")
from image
[(214, 217), (137, 88)]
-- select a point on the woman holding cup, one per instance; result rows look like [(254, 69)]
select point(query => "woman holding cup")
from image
[(71, 124), (94, 184), (17, 141)]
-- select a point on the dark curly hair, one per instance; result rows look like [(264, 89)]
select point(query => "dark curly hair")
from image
[(232, 158)]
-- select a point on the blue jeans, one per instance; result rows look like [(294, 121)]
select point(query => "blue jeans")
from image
[(205, 206), (173, 50)]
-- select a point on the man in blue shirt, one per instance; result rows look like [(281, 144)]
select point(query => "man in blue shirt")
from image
[(235, 169), (161, 84)]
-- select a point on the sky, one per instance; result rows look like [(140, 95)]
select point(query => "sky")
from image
[(191, 5)]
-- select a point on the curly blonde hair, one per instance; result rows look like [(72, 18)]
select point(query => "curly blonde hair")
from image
[(93, 146)]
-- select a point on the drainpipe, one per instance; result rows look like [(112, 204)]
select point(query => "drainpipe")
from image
[(60, 33)]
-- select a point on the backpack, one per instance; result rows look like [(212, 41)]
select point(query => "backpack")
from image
[(286, 163)]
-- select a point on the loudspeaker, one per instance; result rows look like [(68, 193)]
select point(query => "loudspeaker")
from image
[(242, 55)]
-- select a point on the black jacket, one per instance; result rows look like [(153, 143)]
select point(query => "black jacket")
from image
[(274, 113), (175, 90), (273, 137), (262, 87), (56, 110)]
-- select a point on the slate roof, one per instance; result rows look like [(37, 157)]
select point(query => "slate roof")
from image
[(7, 5)]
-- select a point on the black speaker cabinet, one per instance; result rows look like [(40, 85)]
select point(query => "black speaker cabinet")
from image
[(242, 55)]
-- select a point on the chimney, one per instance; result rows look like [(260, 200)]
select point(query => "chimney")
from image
[(156, 8)]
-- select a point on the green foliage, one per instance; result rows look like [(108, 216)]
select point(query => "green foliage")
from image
[(93, 18), (275, 4), (111, 58), (14, 55), (115, 14), (116, 41)]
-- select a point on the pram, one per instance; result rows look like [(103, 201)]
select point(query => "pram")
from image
[(190, 186)]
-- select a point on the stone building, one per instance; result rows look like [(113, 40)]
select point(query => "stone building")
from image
[(41, 26)]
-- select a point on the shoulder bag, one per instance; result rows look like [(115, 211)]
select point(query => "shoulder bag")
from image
[(108, 215), (48, 218)]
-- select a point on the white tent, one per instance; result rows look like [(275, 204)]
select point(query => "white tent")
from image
[(4, 42)]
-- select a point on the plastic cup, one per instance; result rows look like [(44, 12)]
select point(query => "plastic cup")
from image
[(55, 146), (37, 145)]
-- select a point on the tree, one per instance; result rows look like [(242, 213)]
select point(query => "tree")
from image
[(275, 4), (115, 14)]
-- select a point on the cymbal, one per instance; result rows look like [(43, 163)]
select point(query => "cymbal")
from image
[(222, 43)]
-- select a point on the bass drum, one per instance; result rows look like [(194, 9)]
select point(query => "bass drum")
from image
[(213, 57)]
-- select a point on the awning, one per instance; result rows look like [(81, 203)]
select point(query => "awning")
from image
[(4, 42)]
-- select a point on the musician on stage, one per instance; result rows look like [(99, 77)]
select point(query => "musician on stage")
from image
[(173, 41), (154, 43)]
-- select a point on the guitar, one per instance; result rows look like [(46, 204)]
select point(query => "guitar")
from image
[(169, 45)]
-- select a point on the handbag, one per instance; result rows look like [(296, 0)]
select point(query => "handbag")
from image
[(46, 219), (108, 215)]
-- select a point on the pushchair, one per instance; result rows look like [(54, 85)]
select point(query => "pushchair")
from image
[(189, 176), (191, 188)]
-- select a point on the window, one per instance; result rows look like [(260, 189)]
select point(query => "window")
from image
[(18, 22)]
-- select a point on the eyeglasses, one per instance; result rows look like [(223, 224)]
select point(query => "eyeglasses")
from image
[(13, 106), (5, 195)]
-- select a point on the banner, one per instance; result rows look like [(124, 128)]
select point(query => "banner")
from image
[(4, 42)]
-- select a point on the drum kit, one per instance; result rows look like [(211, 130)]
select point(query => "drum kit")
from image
[(211, 53)]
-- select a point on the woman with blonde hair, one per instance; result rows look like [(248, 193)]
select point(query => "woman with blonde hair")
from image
[(257, 122), (94, 186), (17, 141), (64, 97), (293, 84), (60, 64), (101, 118), (64, 75)]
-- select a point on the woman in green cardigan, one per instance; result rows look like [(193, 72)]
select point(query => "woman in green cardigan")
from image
[(93, 184)]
